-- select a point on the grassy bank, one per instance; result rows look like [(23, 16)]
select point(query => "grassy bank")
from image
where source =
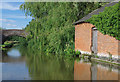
[(107, 60), (8, 44)]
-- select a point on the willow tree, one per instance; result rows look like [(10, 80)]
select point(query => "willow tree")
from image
[(51, 28)]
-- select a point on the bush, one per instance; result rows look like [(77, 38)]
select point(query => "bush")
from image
[(77, 52), (107, 22)]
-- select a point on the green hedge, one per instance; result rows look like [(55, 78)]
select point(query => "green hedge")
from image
[(108, 21)]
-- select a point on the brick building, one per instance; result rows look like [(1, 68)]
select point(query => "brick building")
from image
[(89, 40)]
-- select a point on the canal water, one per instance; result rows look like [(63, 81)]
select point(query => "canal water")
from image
[(18, 66)]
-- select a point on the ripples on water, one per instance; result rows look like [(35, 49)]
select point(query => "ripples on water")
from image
[(41, 67)]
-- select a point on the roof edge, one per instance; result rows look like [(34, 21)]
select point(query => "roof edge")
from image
[(95, 12), (75, 23)]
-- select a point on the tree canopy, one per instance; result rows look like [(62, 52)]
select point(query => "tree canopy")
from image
[(51, 28)]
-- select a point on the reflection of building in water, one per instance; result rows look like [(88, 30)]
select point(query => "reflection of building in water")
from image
[(87, 71), (82, 71)]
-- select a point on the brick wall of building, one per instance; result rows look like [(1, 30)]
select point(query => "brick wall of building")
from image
[(83, 41), (107, 44), (83, 37)]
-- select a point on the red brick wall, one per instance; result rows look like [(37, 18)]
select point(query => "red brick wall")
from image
[(83, 40), (83, 37), (107, 44)]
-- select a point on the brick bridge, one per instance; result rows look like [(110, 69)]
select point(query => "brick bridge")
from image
[(11, 32)]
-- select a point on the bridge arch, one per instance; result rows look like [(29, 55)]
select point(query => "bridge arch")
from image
[(12, 32), (13, 37)]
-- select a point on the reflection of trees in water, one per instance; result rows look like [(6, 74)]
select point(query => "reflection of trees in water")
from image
[(43, 67), (4, 52), (49, 68), (3, 55), (6, 58)]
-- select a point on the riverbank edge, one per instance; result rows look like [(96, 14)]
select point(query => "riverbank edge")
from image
[(94, 57), (8, 45), (108, 66)]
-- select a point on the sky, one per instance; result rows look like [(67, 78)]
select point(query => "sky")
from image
[(12, 16)]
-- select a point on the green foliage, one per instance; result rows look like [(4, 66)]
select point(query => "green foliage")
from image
[(107, 22), (21, 40), (110, 56), (77, 52), (6, 44), (83, 57), (96, 56), (51, 28), (14, 38)]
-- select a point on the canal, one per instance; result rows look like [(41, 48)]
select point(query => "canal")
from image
[(16, 65)]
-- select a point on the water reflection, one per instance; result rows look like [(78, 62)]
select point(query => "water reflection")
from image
[(14, 68), (32, 66), (12, 55), (43, 67), (92, 71)]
